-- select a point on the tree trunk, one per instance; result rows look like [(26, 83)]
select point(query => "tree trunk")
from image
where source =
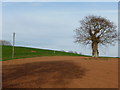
[(95, 52)]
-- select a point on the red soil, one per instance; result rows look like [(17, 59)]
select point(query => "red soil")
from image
[(60, 72)]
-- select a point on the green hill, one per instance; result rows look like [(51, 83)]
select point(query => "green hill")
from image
[(25, 52)]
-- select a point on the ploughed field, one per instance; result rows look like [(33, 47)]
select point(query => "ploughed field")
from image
[(60, 72)]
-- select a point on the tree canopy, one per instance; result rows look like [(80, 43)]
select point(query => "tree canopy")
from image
[(96, 30)]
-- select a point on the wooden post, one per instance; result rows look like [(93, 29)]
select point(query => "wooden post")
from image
[(13, 50)]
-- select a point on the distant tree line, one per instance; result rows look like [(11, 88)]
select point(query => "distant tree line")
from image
[(5, 43)]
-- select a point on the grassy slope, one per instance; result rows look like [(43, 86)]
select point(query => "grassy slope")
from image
[(24, 52)]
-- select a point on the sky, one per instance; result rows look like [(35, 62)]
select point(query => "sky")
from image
[(59, 0), (51, 24)]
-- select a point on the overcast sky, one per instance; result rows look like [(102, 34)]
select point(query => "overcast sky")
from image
[(52, 24)]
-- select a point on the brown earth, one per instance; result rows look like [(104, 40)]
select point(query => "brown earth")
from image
[(60, 72)]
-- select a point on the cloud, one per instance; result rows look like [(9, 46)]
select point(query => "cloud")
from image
[(106, 11), (60, 0)]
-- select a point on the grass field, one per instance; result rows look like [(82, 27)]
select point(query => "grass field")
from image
[(24, 52)]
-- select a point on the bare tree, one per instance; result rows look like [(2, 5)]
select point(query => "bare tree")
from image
[(96, 30)]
